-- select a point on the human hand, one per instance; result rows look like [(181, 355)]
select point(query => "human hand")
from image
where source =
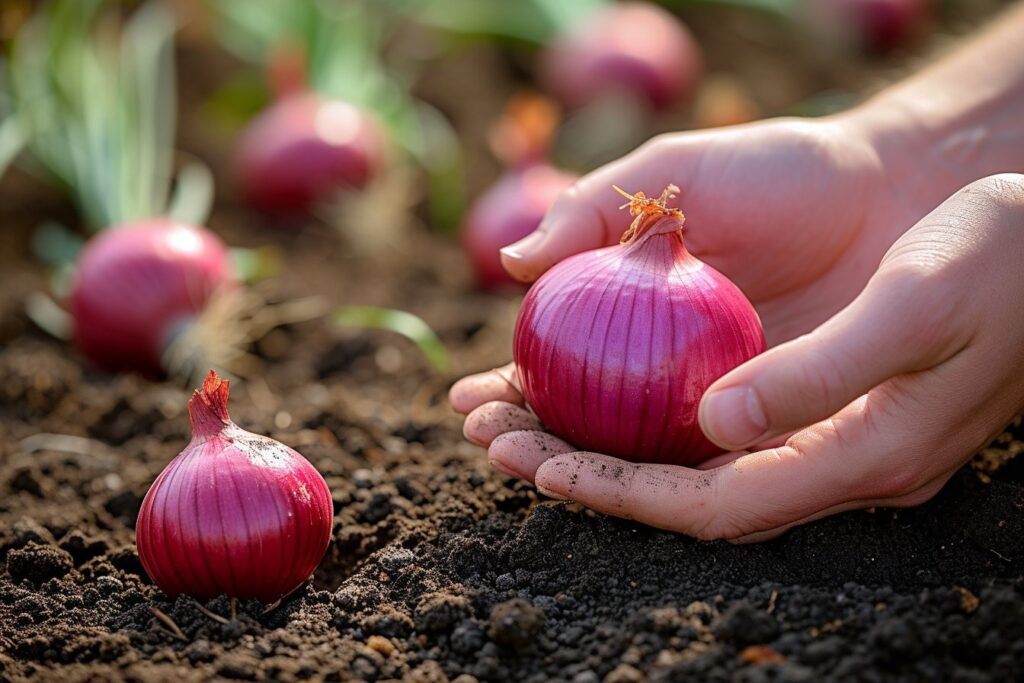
[(888, 397)]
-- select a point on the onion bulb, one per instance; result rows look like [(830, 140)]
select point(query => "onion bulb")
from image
[(303, 149), (235, 513), (138, 285), (872, 25), (616, 346), (508, 211), (634, 47)]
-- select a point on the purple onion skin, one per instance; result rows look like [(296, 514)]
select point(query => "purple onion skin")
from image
[(615, 347), (303, 149), (235, 513), (136, 282), (508, 211), (635, 47)]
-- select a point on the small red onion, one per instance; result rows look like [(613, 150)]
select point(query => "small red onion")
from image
[(508, 211), (138, 285), (303, 148), (633, 46), (877, 25), (235, 513), (616, 346)]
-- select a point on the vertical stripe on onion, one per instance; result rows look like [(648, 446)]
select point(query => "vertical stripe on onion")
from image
[(616, 346)]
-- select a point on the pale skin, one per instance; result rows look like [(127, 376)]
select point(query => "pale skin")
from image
[(884, 251)]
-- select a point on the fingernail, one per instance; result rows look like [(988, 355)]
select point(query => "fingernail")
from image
[(521, 249), (733, 417), (550, 494), (503, 468)]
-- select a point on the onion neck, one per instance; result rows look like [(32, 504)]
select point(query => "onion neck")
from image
[(651, 215), (208, 408)]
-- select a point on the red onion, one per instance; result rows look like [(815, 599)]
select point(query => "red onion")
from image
[(634, 46), (235, 513), (303, 149), (138, 285), (616, 346), (877, 25), (510, 210)]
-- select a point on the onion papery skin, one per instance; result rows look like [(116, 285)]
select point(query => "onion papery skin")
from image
[(508, 211), (235, 513), (632, 47), (303, 149), (615, 347), (136, 284)]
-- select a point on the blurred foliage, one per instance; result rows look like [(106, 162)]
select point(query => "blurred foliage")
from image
[(340, 45), (533, 21), (400, 322), (94, 99)]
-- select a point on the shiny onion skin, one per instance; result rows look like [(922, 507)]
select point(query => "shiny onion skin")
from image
[(302, 149), (508, 211), (137, 284), (235, 513), (632, 46), (615, 347)]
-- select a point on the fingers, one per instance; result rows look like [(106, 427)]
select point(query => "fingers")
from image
[(519, 454), (500, 384), (492, 419), (874, 450), (587, 215), (893, 327)]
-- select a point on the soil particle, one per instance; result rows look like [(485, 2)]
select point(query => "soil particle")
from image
[(515, 624), (744, 624), (37, 563)]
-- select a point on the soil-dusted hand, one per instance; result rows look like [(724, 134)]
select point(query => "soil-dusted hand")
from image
[(899, 388)]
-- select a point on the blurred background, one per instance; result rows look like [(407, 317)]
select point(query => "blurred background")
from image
[(365, 160)]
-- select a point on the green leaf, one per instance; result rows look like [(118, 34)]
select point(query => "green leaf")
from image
[(253, 265), (96, 105), (193, 194), (12, 140), (55, 245), (401, 322)]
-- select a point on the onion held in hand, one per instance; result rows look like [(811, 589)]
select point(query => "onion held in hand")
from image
[(635, 47), (303, 149), (616, 346), (235, 513), (137, 286)]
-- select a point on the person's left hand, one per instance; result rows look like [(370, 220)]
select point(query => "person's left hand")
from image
[(879, 405)]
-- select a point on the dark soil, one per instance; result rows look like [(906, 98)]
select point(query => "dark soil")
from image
[(439, 567)]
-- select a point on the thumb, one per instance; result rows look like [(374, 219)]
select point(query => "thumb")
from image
[(587, 215), (897, 325)]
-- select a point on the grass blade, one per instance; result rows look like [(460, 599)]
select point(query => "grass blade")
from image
[(401, 322)]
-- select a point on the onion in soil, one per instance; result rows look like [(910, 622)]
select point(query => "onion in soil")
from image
[(508, 211), (235, 513), (139, 285), (616, 346), (303, 149), (634, 47), (874, 25)]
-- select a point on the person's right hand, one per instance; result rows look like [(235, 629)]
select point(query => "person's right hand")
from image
[(797, 213)]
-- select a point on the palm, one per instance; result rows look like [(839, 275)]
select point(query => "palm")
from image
[(793, 212)]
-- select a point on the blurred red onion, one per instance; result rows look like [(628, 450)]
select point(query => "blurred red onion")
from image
[(138, 285), (633, 47), (508, 211), (303, 149)]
